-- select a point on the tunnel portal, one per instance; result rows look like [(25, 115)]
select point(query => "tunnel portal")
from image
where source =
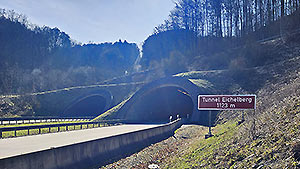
[(158, 104), (91, 105)]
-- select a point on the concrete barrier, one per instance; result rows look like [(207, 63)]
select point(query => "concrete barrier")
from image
[(92, 153)]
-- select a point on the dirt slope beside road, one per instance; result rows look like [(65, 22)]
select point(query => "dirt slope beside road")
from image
[(161, 152)]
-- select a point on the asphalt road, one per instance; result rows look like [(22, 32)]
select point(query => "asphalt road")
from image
[(22, 145)]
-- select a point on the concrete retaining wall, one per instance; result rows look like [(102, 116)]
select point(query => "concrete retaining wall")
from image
[(92, 153)]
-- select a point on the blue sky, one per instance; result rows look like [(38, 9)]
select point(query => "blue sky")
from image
[(96, 20)]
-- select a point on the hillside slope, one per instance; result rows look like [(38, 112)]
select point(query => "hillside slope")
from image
[(35, 59), (274, 142), (268, 139)]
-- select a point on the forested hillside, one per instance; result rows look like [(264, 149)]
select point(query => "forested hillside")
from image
[(231, 18), (199, 33), (37, 58)]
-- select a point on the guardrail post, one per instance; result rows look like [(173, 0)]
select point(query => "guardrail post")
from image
[(0, 133), (39, 130), (15, 133), (58, 129)]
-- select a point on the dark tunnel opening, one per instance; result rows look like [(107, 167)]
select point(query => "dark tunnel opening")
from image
[(93, 105), (157, 105)]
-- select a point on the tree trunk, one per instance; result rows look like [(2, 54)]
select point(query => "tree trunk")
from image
[(230, 20), (282, 8), (261, 13), (269, 11), (244, 25), (256, 15)]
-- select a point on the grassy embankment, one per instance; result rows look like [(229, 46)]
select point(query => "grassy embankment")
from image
[(112, 112), (201, 153), (233, 147)]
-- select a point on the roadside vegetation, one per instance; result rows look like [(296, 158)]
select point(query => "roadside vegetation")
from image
[(112, 112), (276, 145), (202, 152), (270, 138)]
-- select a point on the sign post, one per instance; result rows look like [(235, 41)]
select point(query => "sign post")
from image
[(225, 102), (209, 126)]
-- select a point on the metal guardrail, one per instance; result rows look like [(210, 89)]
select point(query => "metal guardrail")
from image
[(58, 126), (23, 120)]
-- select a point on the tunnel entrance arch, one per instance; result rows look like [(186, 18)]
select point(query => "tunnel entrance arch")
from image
[(91, 104), (158, 104), (181, 88)]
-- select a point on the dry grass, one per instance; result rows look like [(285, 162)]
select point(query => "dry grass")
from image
[(161, 152)]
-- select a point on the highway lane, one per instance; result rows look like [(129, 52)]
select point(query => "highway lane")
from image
[(23, 145)]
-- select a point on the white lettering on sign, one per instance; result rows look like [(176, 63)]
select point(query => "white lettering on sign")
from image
[(237, 99), (205, 99), (221, 102), (228, 99)]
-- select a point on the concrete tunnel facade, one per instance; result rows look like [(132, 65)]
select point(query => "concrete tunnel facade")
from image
[(81, 102), (165, 97), (90, 104), (170, 95)]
